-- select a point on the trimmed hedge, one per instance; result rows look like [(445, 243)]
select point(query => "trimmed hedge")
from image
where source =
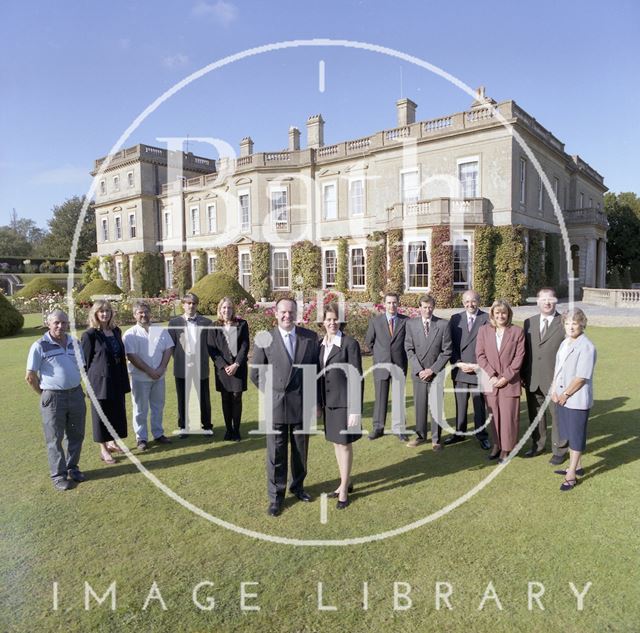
[(342, 271), (260, 278), (395, 274), (211, 288), (11, 321), (376, 265), (442, 267), (97, 287), (148, 274), (40, 286), (510, 280)]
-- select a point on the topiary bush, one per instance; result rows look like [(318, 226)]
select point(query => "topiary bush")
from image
[(40, 286), (97, 287), (11, 321), (91, 270), (211, 288), (260, 278), (148, 274), (395, 275), (442, 267), (306, 267)]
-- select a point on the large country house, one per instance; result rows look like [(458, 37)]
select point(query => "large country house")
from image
[(465, 171)]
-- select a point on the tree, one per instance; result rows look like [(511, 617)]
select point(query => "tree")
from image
[(623, 237), (12, 244), (62, 228)]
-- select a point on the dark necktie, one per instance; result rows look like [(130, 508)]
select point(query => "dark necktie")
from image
[(470, 323), (426, 328), (545, 328)]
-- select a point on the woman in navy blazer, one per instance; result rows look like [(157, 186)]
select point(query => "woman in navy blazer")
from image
[(228, 348), (500, 353), (107, 373), (340, 398), (572, 391)]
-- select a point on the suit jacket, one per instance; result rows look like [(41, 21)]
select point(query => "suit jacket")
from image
[(333, 385), (576, 360), (387, 348), (287, 380), (432, 352), (463, 344), (107, 375), (222, 357), (540, 356), (503, 364), (182, 351)]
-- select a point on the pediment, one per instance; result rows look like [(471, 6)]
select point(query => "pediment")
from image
[(242, 181)]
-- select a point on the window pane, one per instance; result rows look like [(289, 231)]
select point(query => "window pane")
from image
[(356, 200), (281, 270), (245, 271), (357, 267), (330, 267), (410, 188), (461, 265), (468, 177), (329, 202), (211, 218), (279, 207), (245, 220), (418, 265)]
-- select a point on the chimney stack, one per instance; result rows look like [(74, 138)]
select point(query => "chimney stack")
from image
[(406, 112), (294, 139), (315, 131), (246, 146)]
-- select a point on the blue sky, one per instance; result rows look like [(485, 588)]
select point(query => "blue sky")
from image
[(76, 74)]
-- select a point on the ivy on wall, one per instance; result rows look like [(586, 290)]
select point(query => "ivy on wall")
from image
[(109, 268), (306, 271), (201, 266), (260, 278), (395, 272), (442, 267), (376, 262), (227, 260), (342, 271), (510, 280), (181, 272), (148, 274), (485, 241), (536, 277), (126, 274)]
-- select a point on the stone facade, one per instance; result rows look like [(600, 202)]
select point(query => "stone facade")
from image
[(466, 170)]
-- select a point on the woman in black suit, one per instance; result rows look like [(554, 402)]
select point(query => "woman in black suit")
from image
[(107, 372), (340, 398), (229, 348)]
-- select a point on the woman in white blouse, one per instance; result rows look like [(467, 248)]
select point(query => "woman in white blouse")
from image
[(340, 396), (572, 391)]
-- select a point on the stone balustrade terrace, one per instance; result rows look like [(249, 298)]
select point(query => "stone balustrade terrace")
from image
[(436, 211), (614, 298), (148, 152), (590, 215)]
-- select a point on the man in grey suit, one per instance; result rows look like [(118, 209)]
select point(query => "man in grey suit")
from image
[(289, 345), (464, 328), (543, 335), (385, 339), (428, 345), (190, 342)]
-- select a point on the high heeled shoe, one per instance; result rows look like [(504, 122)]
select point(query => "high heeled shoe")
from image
[(341, 505), (335, 493)]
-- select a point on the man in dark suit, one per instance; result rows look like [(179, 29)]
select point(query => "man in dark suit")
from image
[(385, 339), (464, 327), (428, 345), (190, 342), (289, 347), (543, 334)]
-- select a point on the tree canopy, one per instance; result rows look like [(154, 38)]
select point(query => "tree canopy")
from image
[(62, 226), (623, 237)]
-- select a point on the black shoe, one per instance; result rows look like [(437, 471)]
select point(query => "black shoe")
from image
[(376, 434), (485, 444), (302, 496), (62, 484), (579, 472), (141, 446), (236, 437), (274, 509), (163, 439), (75, 475), (403, 438), (492, 457), (532, 452), (228, 436), (556, 460), (454, 439), (334, 494), (182, 434), (341, 505)]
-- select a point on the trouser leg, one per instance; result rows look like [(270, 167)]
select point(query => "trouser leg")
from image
[(140, 392), (156, 405), (277, 463), (539, 434), (180, 393), (479, 413), (462, 402), (421, 406), (76, 416), (237, 411), (381, 403), (205, 405), (54, 419), (299, 447)]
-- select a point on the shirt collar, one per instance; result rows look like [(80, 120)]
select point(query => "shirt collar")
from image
[(284, 333), (47, 336), (337, 340)]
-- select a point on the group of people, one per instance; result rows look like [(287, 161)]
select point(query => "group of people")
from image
[(491, 361)]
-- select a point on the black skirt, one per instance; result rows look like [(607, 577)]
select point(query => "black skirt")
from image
[(116, 413), (335, 420)]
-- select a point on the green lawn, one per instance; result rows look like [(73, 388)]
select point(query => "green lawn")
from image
[(520, 528)]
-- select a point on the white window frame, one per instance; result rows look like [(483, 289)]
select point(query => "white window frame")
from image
[(241, 272), (119, 273), (279, 251), (581, 200), (212, 263), (132, 225), (168, 224), (353, 248), (325, 209), (279, 189), (103, 187), (522, 181), (194, 264), (105, 229), (168, 272), (117, 224), (540, 194), (130, 180), (334, 250), (468, 237), (403, 173), (212, 217), (194, 219), (116, 183), (415, 239), (465, 160), (353, 212), (245, 227)]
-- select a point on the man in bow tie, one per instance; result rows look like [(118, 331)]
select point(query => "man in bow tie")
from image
[(191, 361), (543, 334)]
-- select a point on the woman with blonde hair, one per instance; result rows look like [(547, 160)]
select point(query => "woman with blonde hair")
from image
[(229, 348), (106, 366), (500, 354)]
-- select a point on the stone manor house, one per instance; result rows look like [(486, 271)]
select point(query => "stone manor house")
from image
[(465, 169)]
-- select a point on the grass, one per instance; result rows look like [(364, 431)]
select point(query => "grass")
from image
[(118, 527)]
